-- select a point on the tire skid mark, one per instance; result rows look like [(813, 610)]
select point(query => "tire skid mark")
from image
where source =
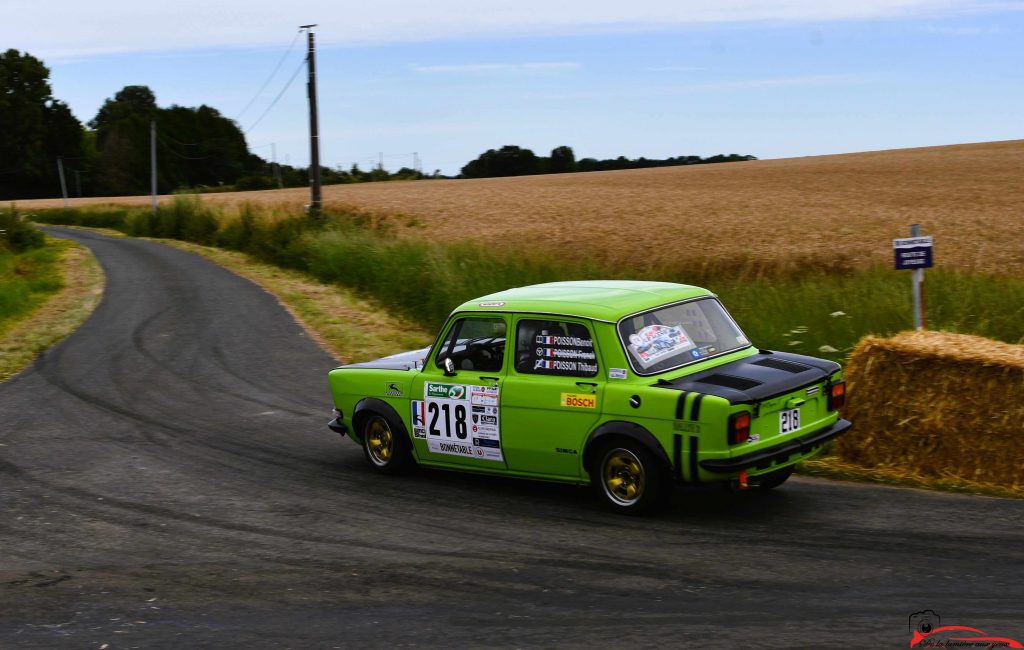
[(139, 344), (159, 512)]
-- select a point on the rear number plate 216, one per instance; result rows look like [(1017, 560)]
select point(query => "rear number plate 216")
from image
[(789, 420)]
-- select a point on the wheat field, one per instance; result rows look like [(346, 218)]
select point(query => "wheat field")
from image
[(829, 212)]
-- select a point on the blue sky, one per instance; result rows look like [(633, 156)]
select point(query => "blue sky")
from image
[(654, 79)]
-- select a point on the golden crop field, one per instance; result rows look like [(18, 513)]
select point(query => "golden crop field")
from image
[(831, 212)]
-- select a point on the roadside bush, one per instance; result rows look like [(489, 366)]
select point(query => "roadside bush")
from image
[(16, 234)]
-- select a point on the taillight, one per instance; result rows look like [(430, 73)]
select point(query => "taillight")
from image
[(836, 395), (739, 427)]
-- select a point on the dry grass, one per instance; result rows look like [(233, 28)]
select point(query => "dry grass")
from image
[(936, 405), (827, 211), (58, 317)]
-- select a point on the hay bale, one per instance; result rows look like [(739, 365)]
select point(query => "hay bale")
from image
[(937, 405)]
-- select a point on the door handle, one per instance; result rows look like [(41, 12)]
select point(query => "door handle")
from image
[(494, 379), (586, 384)]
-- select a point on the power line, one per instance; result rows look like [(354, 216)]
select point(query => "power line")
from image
[(279, 95), (168, 147), (270, 78)]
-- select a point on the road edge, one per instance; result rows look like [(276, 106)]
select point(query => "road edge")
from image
[(59, 316)]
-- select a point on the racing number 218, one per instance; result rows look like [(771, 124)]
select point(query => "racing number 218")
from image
[(460, 419)]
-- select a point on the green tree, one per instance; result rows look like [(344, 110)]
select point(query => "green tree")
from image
[(563, 160), (196, 147), (35, 129), (122, 138), (510, 160)]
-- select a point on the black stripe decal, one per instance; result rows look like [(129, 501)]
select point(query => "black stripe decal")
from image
[(681, 405), (677, 456), (693, 460), (695, 409)]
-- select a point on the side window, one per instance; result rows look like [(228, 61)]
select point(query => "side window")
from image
[(545, 347), (474, 344)]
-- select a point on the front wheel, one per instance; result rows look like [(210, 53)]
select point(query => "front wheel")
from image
[(629, 479), (388, 451)]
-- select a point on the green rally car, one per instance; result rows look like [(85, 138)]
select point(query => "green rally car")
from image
[(627, 386)]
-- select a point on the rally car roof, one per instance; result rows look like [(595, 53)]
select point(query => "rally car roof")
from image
[(605, 300)]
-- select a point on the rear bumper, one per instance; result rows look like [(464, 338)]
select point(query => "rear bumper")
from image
[(764, 459)]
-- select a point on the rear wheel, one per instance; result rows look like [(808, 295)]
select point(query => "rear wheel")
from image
[(772, 480), (388, 451), (628, 478)]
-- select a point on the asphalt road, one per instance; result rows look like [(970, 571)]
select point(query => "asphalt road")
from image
[(168, 481)]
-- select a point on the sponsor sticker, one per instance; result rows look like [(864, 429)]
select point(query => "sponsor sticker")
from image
[(579, 400), (617, 373), (392, 389), (419, 419), (492, 303), (483, 396), (445, 391), (656, 342)]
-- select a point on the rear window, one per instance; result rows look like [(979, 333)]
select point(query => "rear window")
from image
[(676, 335)]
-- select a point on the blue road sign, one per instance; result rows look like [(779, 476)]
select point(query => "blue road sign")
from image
[(913, 253)]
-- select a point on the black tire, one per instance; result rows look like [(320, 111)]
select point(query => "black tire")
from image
[(385, 446), (628, 478), (772, 480)]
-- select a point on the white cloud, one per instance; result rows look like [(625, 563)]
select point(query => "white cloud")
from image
[(72, 28), (496, 67)]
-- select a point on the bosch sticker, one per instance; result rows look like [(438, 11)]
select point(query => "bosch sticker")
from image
[(579, 400)]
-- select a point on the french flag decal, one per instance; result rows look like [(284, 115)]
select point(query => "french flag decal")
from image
[(546, 340), (547, 352), (419, 413), (544, 364)]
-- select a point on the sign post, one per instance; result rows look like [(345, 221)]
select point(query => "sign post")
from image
[(915, 254)]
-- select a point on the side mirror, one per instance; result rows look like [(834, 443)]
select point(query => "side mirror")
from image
[(449, 367)]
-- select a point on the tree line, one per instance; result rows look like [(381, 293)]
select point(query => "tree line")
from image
[(511, 160), (198, 149)]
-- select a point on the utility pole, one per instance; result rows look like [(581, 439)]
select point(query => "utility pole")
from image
[(152, 162), (276, 167), (63, 185), (315, 201)]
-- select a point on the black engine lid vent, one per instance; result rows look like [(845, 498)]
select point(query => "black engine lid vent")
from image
[(779, 364)]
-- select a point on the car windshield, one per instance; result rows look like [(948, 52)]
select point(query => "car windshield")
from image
[(676, 335)]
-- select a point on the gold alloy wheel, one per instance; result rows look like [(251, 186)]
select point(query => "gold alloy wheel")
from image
[(623, 477), (379, 442)]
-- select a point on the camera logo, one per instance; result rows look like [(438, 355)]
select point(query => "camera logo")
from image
[(925, 622)]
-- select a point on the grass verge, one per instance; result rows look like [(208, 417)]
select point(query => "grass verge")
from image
[(833, 468), (75, 285)]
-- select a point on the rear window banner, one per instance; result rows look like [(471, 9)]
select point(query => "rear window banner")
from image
[(459, 420), (656, 342)]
